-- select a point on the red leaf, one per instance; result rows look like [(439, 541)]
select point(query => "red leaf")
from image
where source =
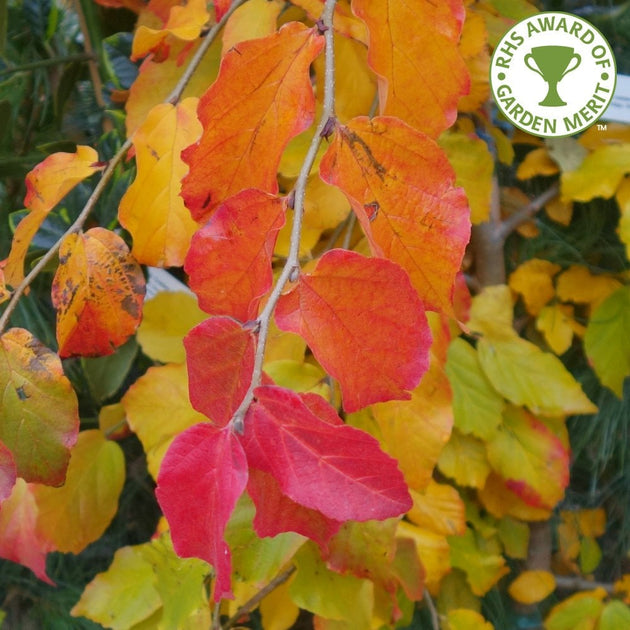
[(220, 8), (349, 311), (336, 470), (402, 189), (261, 99), (220, 358), (8, 474), (202, 476), (276, 512), (229, 261)]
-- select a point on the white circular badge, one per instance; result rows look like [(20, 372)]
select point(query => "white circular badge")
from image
[(553, 74)]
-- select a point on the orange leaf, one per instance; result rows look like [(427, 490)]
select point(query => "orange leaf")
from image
[(413, 47), (152, 209), (229, 262), (46, 185), (39, 416), (266, 83), (344, 21), (401, 187), (19, 539), (348, 311), (98, 292), (254, 19)]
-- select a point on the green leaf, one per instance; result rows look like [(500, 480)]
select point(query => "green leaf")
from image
[(615, 615), (607, 340), (477, 406), (105, 375)]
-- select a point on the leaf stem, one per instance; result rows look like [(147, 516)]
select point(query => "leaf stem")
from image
[(109, 171), (43, 63), (251, 603), (292, 265)]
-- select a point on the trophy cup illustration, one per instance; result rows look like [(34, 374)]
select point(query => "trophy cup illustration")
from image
[(552, 63)]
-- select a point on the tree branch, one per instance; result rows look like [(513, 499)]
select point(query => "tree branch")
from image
[(292, 265), (109, 171), (251, 603), (578, 583), (43, 63)]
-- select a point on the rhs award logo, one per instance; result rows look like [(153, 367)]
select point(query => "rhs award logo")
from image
[(553, 74)]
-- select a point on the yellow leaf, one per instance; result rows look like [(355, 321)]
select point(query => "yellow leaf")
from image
[(325, 206), (559, 211), (591, 522), (152, 209), (433, 551), (526, 375), (500, 502), (455, 593), (277, 609), (616, 133), (5, 294), (283, 345), (491, 313), (184, 22), (157, 425), (534, 281), (622, 586), (112, 421), (483, 569), (166, 319), (531, 587), (46, 185), (77, 513), (474, 167), (464, 460), (438, 508), (623, 200), (473, 48), (537, 162), (577, 284), (505, 149), (298, 376), (615, 615), (599, 175), (578, 612), (557, 325), (254, 19), (463, 619)]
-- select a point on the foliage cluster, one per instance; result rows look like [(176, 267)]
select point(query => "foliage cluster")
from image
[(390, 390)]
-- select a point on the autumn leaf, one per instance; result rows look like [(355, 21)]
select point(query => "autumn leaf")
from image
[(423, 94), (46, 185), (252, 20), (500, 501), (185, 22), (210, 465), (220, 358), (39, 416), (580, 610), (577, 284), (401, 187), (151, 209), (229, 261), (607, 342), (334, 469), (77, 513), (534, 281), (266, 83), (8, 474), (98, 292), (464, 459), (20, 539), (438, 508), (348, 311)]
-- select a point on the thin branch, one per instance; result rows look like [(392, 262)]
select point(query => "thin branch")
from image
[(109, 171), (210, 36), (578, 583), (43, 63), (525, 213), (250, 604), (292, 265), (435, 619)]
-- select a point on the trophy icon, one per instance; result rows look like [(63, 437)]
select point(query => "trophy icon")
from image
[(552, 63)]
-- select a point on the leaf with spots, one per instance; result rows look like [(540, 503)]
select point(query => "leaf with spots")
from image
[(98, 292)]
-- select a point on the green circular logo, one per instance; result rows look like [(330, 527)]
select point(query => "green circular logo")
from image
[(553, 74)]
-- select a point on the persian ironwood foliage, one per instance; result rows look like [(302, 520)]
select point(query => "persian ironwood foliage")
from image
[(338, 426)]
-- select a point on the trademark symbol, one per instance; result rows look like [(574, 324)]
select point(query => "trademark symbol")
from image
[(602, 127)]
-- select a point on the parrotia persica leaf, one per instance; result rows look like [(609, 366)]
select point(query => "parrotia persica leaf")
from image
[(607, 340), (260, 100), (8, 473), (401, 187), (220, 358), (229, 262), (39, 416), (337, 470), (276, 512), (77, 513), (533, 461), (349, 310), (422, 74), (46, 185), (152, 208), (20, 539), (202, 476), (157, 425), (98, 292)]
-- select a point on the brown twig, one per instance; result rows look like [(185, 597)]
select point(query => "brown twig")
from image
[(578, 583)]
